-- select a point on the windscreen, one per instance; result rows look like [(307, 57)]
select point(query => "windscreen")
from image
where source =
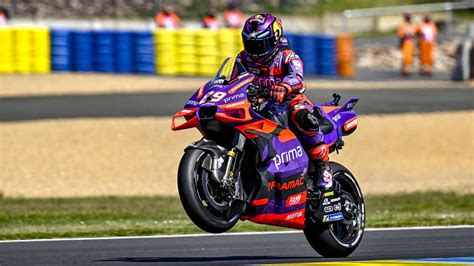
[(229, 71)]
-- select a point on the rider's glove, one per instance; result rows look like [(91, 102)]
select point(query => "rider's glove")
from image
[(280, 91)]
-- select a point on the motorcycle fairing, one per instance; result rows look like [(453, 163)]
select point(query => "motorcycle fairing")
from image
[(343, 118), (281, 199)]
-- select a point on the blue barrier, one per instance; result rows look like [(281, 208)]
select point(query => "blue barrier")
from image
[(307, 48), (327, 52), (134, 51), (104, 53), (60, 50), (143, 52), (123, 51), (292, 41), (82, 51)]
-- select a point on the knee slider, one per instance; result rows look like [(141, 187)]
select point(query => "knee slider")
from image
[(306, 120)]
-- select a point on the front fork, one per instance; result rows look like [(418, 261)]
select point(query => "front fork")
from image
[(233, 157)]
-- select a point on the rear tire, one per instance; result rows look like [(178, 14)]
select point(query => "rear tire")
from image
[(330, 239), (209, 217)]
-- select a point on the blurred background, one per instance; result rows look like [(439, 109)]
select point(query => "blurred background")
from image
[(88, 88), (334, 37)]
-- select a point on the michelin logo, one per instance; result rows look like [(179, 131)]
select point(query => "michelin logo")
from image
[(287, 156), (333, 217)]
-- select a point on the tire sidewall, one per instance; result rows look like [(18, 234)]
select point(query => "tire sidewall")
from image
[(319, 234), (188, 194)]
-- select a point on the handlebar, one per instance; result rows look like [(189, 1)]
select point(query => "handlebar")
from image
[(256, 91)]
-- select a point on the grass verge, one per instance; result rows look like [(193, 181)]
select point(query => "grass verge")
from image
[(128, 216)]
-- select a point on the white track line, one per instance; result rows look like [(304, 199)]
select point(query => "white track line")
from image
[(227, 234)]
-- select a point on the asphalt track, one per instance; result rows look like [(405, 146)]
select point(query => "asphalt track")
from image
[(247, 248), (381, 101)]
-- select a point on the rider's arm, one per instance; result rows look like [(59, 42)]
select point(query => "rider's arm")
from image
[(293, 68), (240, 58)]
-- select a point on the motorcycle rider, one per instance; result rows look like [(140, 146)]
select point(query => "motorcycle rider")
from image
[(276, 67)]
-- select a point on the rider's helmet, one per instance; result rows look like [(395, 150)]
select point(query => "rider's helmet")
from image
[(427, 17), (407, 16), (262, 35)]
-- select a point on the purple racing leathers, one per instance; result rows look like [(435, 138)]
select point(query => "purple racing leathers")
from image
[(285, 68)]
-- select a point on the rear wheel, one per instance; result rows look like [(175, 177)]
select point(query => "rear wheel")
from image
[(204, 200), (340, 238)]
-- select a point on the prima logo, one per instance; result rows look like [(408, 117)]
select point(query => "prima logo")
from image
[(287, 156), (234, 97), (266, 82)]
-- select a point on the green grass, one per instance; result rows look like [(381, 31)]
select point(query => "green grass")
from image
[(127, 216)]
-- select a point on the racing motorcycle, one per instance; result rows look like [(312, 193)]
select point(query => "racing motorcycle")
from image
[(250, 166)]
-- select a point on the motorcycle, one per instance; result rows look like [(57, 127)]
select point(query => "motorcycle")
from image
[(250, 166)]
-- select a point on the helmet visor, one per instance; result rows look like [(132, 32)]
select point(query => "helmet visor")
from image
[(260, 47)]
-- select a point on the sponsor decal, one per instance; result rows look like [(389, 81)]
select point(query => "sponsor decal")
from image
[(267, 82), (336, 118), (254, 70), (243, 75), (296, 199), (335, 199), (298, 107), (328, 194), (333, 217), (328, 209), (294, 215), (240, 85), (334, 208), (350, 105), (258, 18), (234, 97), (191, 102), (297, 64), (326, 202), (351, 124), (235, 104), (287, 156), (327, 176), (292, 56), (286, 185)]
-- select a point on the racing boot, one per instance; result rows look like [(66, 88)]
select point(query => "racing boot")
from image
[(328, 206)]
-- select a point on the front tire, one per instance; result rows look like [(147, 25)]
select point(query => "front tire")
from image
[(196, 191), (340, 238)]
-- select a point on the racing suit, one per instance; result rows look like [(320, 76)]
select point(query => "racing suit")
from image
[(285, 69)]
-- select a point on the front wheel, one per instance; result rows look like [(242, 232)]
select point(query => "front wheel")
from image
[(340, 238), (203, 199)]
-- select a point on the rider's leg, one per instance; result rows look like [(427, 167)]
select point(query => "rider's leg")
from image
[(305, 125)]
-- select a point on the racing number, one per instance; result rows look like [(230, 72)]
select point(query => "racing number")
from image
[(215, 97)]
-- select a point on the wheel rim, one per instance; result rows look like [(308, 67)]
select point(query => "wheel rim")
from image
[(208, 193), (348, 231)]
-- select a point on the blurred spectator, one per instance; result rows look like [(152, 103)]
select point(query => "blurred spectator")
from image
[(427, 33), (471, 53), (232, 16), (166, 18), (4, 16), (406, 33), (210, 20)]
